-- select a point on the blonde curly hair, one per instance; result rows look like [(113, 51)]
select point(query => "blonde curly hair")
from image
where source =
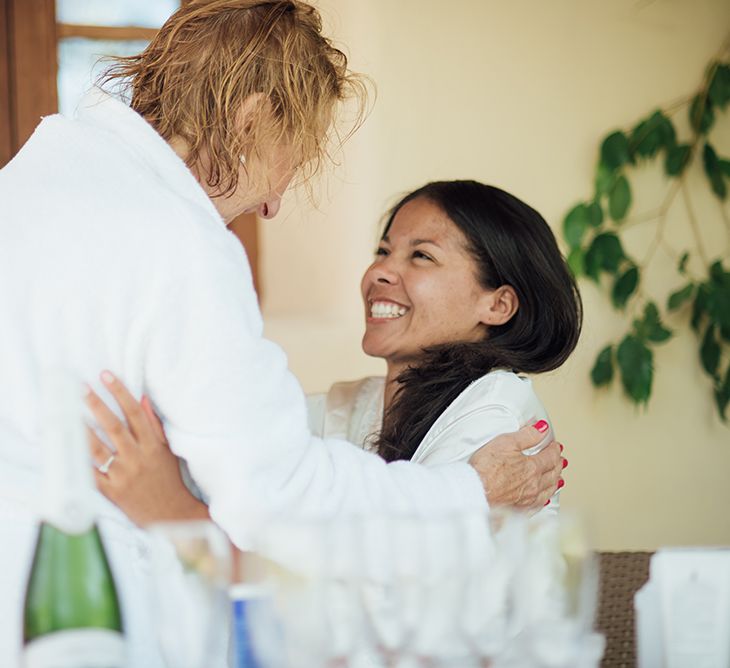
[(211, 56)]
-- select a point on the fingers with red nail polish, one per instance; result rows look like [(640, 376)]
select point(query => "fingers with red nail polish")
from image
[(565, 463), (561, 483), (541, 426)]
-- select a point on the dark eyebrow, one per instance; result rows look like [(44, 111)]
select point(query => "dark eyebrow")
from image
[(413, 242), (418, 242)]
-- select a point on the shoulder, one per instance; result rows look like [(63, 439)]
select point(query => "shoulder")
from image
[(353, 409), (350, 390), (497, 403), (498, 388)]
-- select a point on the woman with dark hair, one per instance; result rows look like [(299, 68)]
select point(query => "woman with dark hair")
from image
[(115, 254), (467, 292)]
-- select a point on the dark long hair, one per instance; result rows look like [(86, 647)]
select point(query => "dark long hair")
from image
[(512, 245)]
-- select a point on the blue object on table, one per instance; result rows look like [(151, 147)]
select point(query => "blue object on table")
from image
[(255, 628)]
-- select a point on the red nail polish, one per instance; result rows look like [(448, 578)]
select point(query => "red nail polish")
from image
[(565, 462), (561, 446), (541, 426), (561, 483), (547, 502)]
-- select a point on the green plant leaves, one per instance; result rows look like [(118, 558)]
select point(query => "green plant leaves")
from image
[(701, 115), (677, 159), (624, 287), (636, 363), (650, 327), (682, 264), (710, 351), (602, 371), (593, 230), (718, 296), (575, 225), (619, 199), (595, 214), (576, 262), (579, 219), (615, 150), (676, 299), (722, 396), (605, 253), (652, 134), (605, 177), (719, 89), (714, 171), (699, 306)]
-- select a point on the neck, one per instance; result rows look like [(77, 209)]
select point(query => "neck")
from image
[(180, 147), (225, 206), (391, 384)]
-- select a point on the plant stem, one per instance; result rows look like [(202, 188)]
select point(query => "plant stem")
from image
[(659, 236), (693, 223), (633, 221)]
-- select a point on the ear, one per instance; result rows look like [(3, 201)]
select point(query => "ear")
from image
[(250, 107), (499, 306)]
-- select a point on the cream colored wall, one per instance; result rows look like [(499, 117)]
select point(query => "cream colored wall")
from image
[(518, 94)]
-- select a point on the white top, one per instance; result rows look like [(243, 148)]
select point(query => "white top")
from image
[(112, 256), (497, 403)]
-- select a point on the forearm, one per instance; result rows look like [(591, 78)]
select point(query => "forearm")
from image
[(238, 417)]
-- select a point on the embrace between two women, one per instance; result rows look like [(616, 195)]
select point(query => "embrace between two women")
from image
[(115, 254)]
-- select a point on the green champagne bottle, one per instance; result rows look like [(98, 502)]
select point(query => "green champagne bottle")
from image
[(71, 615)]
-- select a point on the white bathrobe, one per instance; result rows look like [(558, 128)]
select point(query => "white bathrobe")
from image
[(497, 403), (112, 256)]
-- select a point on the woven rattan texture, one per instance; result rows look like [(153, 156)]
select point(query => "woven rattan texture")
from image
[(622, 574)]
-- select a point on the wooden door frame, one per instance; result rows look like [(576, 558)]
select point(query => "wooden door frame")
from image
[(6, 116), (28, 70)]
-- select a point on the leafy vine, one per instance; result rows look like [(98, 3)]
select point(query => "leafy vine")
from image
[(593, 231)]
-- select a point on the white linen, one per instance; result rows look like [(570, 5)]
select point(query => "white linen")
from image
[(112, 256)]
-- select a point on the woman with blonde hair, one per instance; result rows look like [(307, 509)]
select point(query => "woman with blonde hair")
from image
[(114, 254)]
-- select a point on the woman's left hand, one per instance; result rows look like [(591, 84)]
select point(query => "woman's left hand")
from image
[(142, 476)]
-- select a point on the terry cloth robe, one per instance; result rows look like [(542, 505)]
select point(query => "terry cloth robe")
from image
[(113, 257)]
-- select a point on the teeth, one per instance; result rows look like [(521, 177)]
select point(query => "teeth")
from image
[(387, 310)]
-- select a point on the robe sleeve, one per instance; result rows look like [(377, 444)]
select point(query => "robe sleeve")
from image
[(238, 416)]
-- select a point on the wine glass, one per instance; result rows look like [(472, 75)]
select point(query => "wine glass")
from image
[(191, 568), (559, 593), (494, 550), (311, 568), (390, 585)]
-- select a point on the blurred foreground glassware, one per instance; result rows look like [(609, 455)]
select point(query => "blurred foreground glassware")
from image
[(495, 547), (312, 573), (557, 595), (191, 574), (374, 591), (392, 592), (463, 590)]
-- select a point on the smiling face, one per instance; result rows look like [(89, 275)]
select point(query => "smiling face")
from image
[(422, 289)]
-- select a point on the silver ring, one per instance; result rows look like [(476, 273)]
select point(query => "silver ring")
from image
[(104, 468)]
